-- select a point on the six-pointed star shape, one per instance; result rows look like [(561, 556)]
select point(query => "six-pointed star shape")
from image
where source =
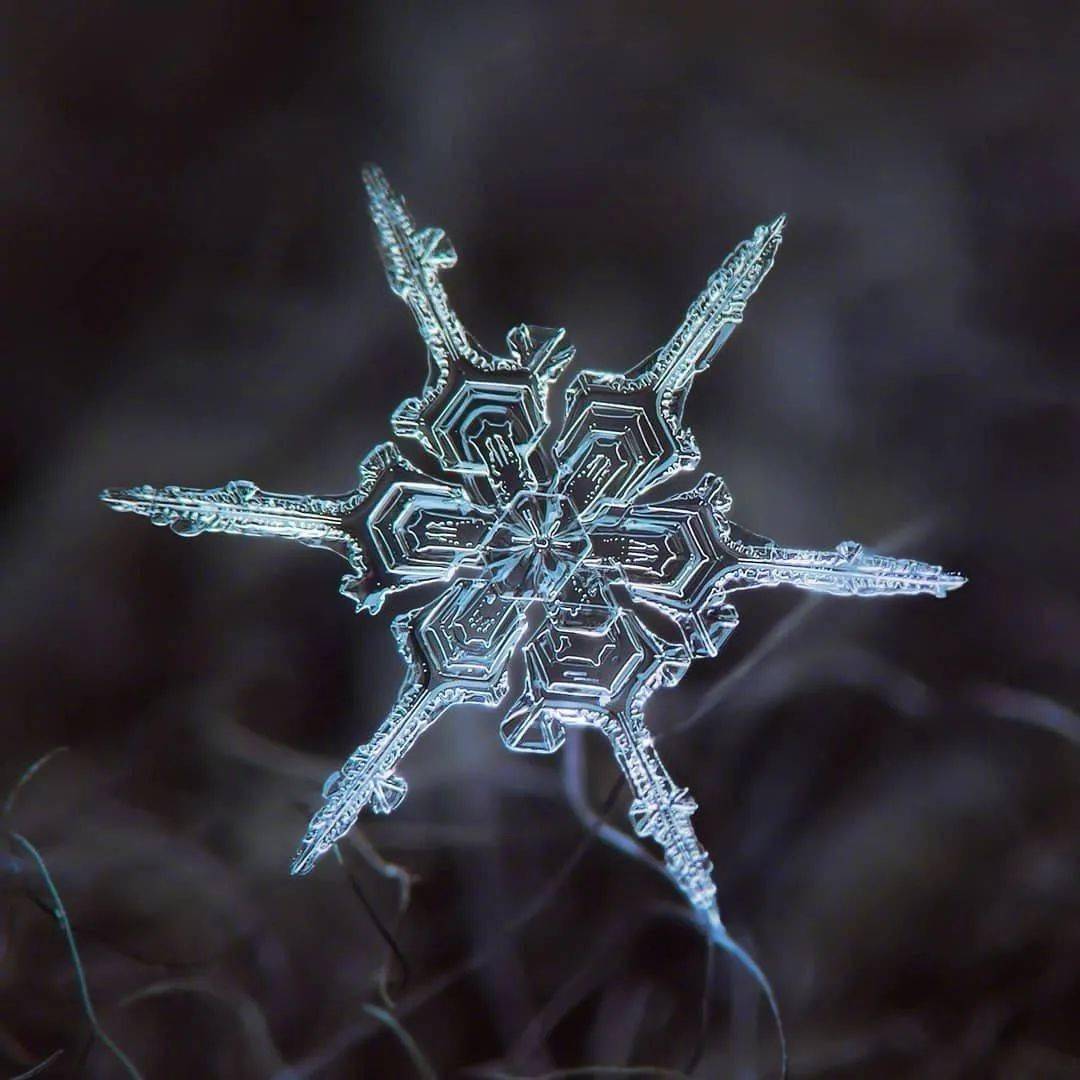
[(557, 544)]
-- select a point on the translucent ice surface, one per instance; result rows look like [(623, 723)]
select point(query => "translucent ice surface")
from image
[(562, 522)]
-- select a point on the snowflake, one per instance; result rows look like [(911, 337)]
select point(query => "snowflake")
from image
[(553, 548)]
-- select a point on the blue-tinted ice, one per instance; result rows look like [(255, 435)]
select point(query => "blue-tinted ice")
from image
[(564, 525)]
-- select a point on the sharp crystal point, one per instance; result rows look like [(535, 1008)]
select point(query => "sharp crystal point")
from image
[(556, 522), (120, 496)]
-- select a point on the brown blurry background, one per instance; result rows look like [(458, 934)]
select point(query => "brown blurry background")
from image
[(190, 294)]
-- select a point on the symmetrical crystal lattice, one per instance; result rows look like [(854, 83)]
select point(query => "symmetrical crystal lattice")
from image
[(553, 547)]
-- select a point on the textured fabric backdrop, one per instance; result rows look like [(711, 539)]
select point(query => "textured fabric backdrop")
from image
[(890, 793)]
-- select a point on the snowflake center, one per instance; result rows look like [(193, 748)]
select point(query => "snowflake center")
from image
[(535, 546)]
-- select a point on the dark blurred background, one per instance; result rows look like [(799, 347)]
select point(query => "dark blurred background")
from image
[(889, 790)]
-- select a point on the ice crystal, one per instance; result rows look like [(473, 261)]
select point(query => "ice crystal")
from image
[(554, 549)]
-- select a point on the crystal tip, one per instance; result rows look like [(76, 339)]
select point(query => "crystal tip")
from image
[(114, 496), (305, 859)]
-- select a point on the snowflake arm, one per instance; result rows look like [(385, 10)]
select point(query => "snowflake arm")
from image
[(624, 434), (577, 673), (847, 570), (241, 508), (479, 414), (661, 809), (684, 556), (456, 650), (398, 528)]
